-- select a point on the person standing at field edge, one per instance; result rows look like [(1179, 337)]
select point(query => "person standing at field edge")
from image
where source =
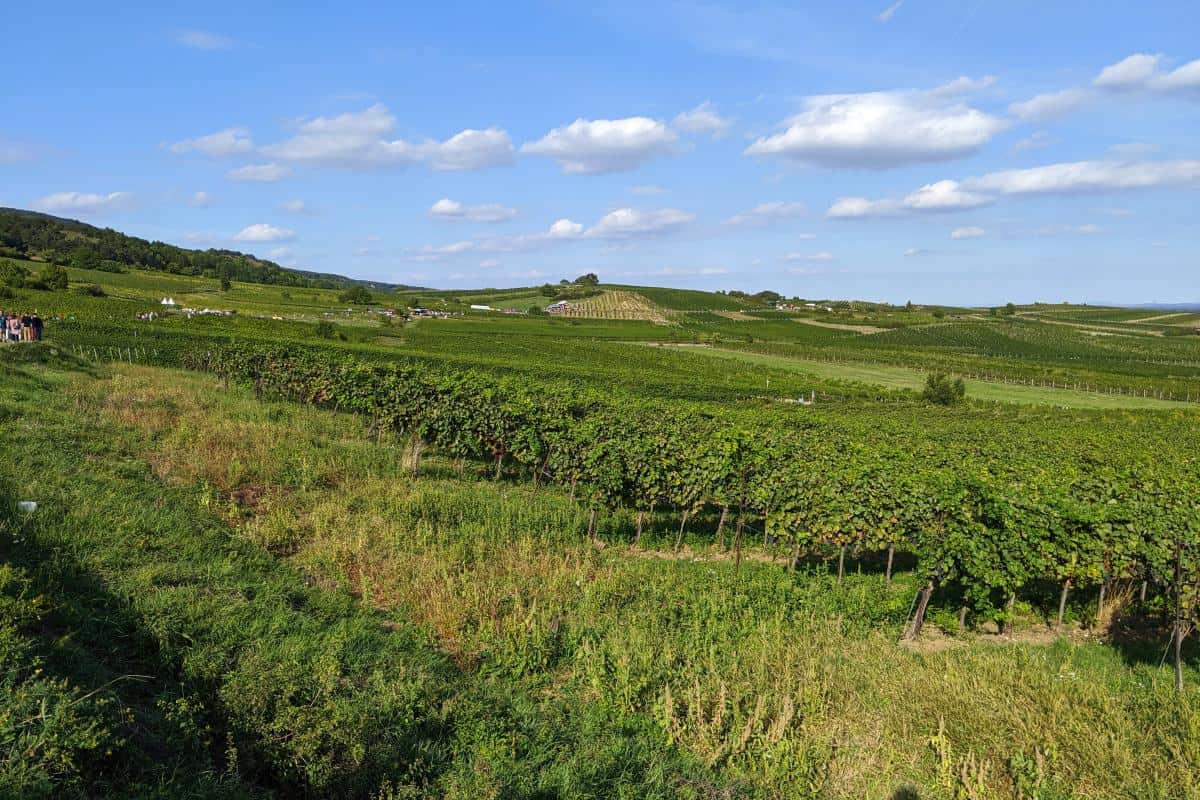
[(14, 328), (26, 328), (36, 322)]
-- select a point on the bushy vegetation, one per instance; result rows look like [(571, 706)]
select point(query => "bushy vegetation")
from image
[(943, 390)]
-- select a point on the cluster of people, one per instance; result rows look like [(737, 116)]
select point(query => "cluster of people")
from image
[(20, 327)]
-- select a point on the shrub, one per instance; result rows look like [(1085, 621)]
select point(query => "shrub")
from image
[(55, 277), (358, 295), (943, 390), (91, 290), (325, 329)]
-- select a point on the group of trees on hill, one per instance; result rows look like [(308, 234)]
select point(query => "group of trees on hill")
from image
[(984, 525), (25, 234), (52, 277)]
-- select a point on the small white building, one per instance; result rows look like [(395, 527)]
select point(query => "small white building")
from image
[(477, 307), (168, 302)]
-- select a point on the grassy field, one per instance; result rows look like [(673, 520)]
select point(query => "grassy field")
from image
[(295, 585), (902, 378)]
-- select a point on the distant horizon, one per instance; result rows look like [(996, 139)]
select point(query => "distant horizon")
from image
[(1165, 304)]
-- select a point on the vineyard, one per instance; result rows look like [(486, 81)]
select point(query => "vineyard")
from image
[(589, 518), (616, 305)]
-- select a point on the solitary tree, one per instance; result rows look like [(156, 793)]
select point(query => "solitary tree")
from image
[(55, 277), (358, 295), (943, 390)]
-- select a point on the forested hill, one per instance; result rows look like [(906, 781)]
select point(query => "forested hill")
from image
[(29, 234)]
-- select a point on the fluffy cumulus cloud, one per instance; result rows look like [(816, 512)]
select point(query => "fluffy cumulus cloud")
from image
[(943, 196), (1144, 71), (1079, 177), (259, 173), (878, 130), (1044, 107), (486, 212), (361, 140), (703, 119), (630, 223), (200, 200), (228, 142), (295, 206), (264, 232), (591, 147), (767, 214), (968, 232), (83, 202)]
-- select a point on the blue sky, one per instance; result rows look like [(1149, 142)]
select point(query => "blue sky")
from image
[(974, 151)]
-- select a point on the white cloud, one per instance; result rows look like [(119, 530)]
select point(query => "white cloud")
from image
[(629, 223), (860, 207), (624, 225), (358, 140), (1088, 176), (702, 119), (1142, 71), (590, 147), (230, 141), (940, 196), (200, 200), (1132, 72), (82, 202), (1067, 230), (487, 212), (914, 251), (263, 232), (967, 232), (202, 40), (1186, 78), (278, 253), (965, 85), (943, 196), (1051, 105), (768, 213), (469, 150), (295, 206), (879, 130), (820, 256), (1067, 178), (889, 12), (258, 173)]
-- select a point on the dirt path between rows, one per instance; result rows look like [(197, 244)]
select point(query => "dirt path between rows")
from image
[(838, 326)]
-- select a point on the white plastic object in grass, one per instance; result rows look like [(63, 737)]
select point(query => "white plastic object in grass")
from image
[(28, 506)]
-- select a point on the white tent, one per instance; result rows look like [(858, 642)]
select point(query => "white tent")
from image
[(168, 301)]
